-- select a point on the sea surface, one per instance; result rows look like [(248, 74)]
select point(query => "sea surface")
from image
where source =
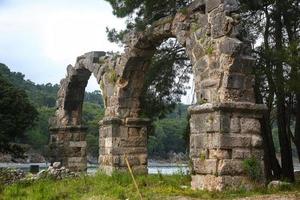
[(153, 167)]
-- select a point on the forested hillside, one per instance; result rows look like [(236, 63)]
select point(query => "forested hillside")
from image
[(168, 136)]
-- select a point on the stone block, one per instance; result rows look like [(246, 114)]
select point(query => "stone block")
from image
[(218, 23), (206, 182), (230, 167), (198, 123), (128, 150), (77, 167), (242, 64), (76, 160), (204, 123), (235, 126), (204, 74), (78, 136), (202, 20), (258, 154), (235, 141), (201, 33), (220, 153), (133, 132), (249, 82), (225, 122), (197, 5), (250, 126), (231, 5), (205, 166), (77, 144), (134, 142), (108, 142), (257, 141), (76, 152), (108, 150), (124, 132), (214, 65), (198, 51), (133, 160), (219, 183), (240, 153), (212, 4), (230, 46), (204, 96), (139, 169), (143, 158), (222, 141), (105, 159), (233, 81), (210, 83)]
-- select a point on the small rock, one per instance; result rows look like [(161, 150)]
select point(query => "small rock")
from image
[(184, 187), (56, 165), (41, 174), (277, 184)]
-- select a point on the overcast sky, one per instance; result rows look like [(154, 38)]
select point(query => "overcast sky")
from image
[(41, 37)]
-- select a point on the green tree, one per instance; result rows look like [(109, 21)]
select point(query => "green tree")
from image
[(92, 114), (277, 22), (38, 135), (166, 80), (140, 13), (16, 113)]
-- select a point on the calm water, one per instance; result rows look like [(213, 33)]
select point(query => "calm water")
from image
[(153, 168)]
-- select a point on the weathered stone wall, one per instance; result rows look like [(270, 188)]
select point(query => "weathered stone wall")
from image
[(223, 136), (119, 139), (224, 124)]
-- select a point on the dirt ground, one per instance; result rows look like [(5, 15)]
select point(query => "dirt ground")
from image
[(287, 196)]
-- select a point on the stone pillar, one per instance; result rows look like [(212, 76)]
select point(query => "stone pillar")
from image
[(123, 137), (223, 136), (68, 146)]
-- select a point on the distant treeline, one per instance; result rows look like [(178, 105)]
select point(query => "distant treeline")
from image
[(168, 135)]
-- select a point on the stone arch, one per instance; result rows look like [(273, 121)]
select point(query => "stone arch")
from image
[(67, 139), (224, 123)]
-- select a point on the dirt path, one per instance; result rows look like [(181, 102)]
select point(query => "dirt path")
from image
[(288, 196)]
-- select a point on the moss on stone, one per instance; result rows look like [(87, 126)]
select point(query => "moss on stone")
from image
[(253, 168), (194, 27), (184, 11), (112, 76), (209, 50)]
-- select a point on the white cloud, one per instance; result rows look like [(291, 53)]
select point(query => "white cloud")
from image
[(40, 38)]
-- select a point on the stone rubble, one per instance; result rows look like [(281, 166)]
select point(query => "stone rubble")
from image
[(278, 184), (9, 176)]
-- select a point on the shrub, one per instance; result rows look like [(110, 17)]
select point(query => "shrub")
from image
[(253, 168)]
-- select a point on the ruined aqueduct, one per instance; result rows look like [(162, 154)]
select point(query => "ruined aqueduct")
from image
[(224, 130)]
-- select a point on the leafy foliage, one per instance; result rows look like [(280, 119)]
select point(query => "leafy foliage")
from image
[(169, 134), (166, 80), (92, 114), (143, 12), (16, 113), (253, 168), (38, 136)]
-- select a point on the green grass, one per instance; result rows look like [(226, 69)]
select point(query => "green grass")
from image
[(120, 186)]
